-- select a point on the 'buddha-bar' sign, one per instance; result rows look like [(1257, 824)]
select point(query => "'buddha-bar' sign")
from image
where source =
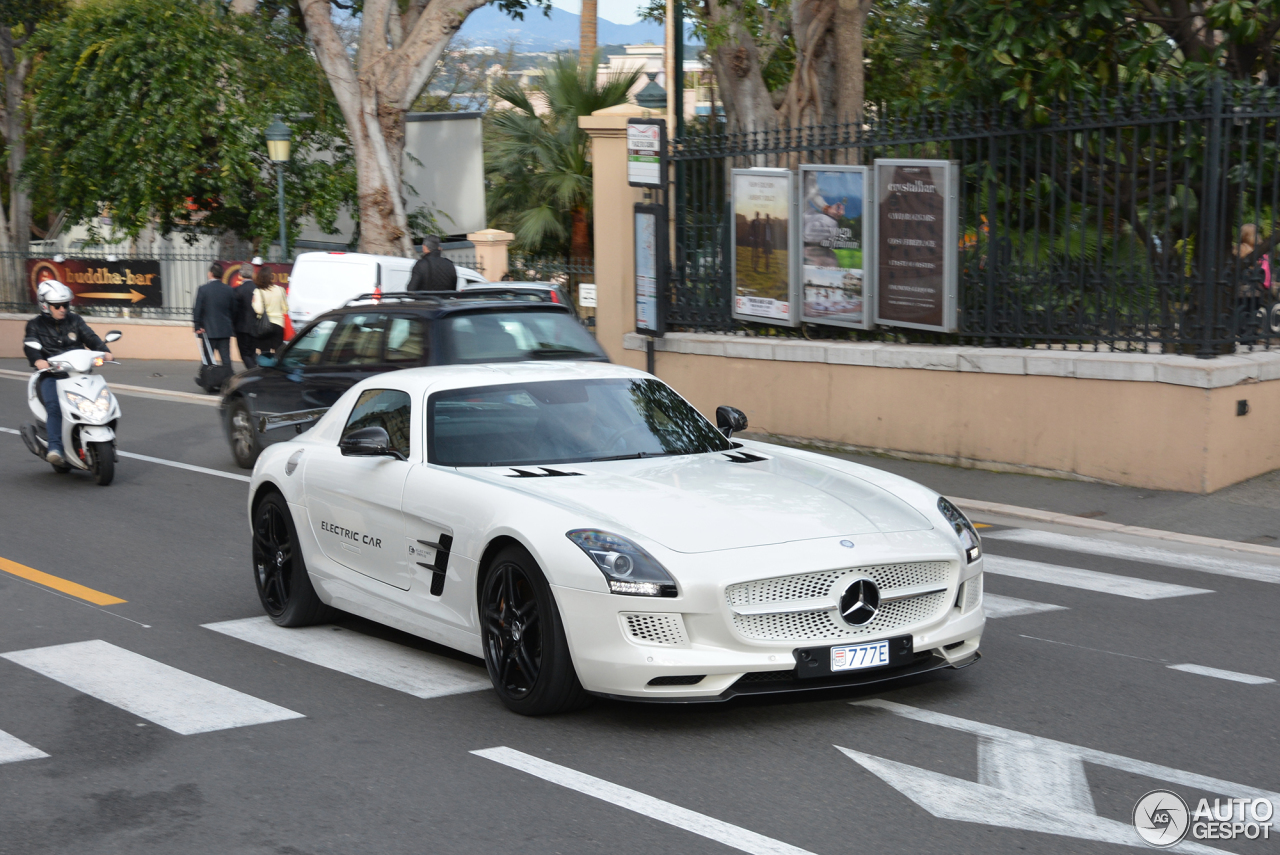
[(916, 251)]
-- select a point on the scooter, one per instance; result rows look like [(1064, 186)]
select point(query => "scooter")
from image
[(89, 413)]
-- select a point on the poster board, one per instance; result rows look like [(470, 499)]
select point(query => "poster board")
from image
[(837, 257), (646, 149), (916, 253), (97, 282), (651, 268), (764, 266)]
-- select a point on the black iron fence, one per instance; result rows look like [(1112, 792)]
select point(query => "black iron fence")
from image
[(568, 272), (1134, 222)]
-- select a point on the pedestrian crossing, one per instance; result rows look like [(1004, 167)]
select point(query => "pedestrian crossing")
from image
[(187, 704)]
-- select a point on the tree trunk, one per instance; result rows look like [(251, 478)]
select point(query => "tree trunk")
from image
[(736, 62), (587, 38), (579, 234), (19, 199), (850, 21)]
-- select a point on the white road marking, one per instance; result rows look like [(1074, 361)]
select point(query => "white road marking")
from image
[(234, 476), (1222, 675), (1088, 580), (643, 804), (13, 749), (1028, 782), (383, 662), (182, 702), (997, 606), (1239, 568)]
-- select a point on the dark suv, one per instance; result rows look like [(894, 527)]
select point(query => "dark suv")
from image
[(370, 335)]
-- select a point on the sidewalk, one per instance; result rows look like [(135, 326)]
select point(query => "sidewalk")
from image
[(1248, 512)]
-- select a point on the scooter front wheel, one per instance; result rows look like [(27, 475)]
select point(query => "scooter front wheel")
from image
[(104, 462)]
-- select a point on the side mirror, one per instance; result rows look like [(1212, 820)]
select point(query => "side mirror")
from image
[(730, 420), (368, 442), (113, 335)]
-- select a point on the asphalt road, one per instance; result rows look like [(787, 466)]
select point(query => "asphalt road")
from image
[(345, 765)]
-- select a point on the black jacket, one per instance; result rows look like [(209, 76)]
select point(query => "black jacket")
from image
[(243, 314), (214, 310), (55, 337), (433, 272)]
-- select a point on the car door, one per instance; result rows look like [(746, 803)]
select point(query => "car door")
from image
[(354, 503), (355, 352), (407, 345), (282, 388)]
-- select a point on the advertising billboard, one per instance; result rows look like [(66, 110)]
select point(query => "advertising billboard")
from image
[(95, 282), (916, 251), (836, 269), (763, 265), (651, 265)]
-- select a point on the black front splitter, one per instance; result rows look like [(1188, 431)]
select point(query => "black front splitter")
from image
[(782, 686)]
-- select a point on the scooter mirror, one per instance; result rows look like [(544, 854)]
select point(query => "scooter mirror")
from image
[(114, 335)]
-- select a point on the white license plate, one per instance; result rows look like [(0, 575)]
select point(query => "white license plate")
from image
[(855, 656)]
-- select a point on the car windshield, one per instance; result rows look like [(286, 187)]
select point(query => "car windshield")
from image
[(564, 421), (516, 336)]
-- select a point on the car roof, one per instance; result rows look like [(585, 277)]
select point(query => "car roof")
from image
[(444, 377), (455, 302)]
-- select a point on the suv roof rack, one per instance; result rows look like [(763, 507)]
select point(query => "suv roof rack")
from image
[(498, 292)]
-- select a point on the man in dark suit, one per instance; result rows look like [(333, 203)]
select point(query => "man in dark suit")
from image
[(244, 315), (214, 313), (433, 272)]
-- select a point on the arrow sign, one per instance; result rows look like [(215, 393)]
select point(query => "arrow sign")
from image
[(132, 296)]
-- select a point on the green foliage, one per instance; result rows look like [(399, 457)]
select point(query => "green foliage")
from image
[(903, 59), (157, 108), (537, 164)]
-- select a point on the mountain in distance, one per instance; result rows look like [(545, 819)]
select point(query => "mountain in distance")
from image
[(538, 32)]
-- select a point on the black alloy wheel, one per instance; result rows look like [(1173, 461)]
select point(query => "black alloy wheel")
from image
[(278, 569), (525, 649), (242, 436)]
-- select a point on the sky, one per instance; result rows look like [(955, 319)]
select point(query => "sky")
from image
[(618, 11)]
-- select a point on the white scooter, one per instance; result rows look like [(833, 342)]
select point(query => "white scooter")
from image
[(89, 413)]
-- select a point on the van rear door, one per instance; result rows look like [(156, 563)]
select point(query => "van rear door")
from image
[(319, 285)]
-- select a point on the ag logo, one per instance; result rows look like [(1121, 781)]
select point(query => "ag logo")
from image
[(1161, 818)]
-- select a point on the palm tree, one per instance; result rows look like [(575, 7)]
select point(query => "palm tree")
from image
[(538, 165), (587, 37)]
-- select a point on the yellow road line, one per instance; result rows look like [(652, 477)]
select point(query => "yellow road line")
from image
[(981, 525), (32, 575)]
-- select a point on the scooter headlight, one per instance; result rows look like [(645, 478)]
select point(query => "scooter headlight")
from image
[(94, 409)]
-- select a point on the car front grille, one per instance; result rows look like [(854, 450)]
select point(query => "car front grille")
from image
[(826, 624)]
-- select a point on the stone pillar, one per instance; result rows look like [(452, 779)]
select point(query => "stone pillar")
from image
[(491, 252), (614, 223)]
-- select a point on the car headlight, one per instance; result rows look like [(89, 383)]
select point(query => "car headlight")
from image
[(964, 529), (627, 567), (94, 409)]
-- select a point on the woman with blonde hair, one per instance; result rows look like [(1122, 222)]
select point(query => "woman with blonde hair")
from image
[(270, 304)]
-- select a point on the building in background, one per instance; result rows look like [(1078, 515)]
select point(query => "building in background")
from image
[(698, 86)]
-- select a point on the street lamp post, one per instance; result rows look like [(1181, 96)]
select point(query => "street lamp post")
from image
[(278, 138)]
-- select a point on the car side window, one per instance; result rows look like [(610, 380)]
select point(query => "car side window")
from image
[(406, 341), (307, 348), (388, 409), (358, 340)]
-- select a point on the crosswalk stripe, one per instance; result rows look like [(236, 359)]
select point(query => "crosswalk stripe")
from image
[(1239, 568), (642, 803), (383, 662), (1235, 676), (182, 702), (997, 606), (1088, 580), (13, 749)]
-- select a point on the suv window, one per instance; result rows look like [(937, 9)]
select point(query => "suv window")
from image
[(358, 340), (307, 348), (388, 409), (513, 336), (406, 340)]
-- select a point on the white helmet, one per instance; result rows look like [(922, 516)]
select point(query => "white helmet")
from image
[(52, 291)]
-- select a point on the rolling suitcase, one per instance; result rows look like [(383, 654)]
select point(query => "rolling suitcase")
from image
[(212, 375)]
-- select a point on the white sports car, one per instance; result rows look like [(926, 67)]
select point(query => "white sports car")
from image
[(585, 530)]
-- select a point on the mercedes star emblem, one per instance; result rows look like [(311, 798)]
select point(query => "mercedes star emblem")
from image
[(860, 602)]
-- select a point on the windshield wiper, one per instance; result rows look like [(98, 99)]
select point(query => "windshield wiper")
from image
[(559, 351), (637, 456)]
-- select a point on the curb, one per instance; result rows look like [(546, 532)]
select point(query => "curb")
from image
[(143, 391), (1034, 515)]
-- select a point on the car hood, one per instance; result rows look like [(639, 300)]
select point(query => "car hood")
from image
[(708, 502)]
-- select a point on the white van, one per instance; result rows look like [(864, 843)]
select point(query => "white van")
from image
[(321, 281)]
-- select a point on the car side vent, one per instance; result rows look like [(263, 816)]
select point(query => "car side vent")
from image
[(744, 457), (441, 564), (545, 473), (678, 680)]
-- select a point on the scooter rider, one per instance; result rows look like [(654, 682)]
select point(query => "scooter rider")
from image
[(58, 330)]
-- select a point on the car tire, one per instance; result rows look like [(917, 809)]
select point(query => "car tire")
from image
[(242, 436), (525, 649), (279, 572)]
